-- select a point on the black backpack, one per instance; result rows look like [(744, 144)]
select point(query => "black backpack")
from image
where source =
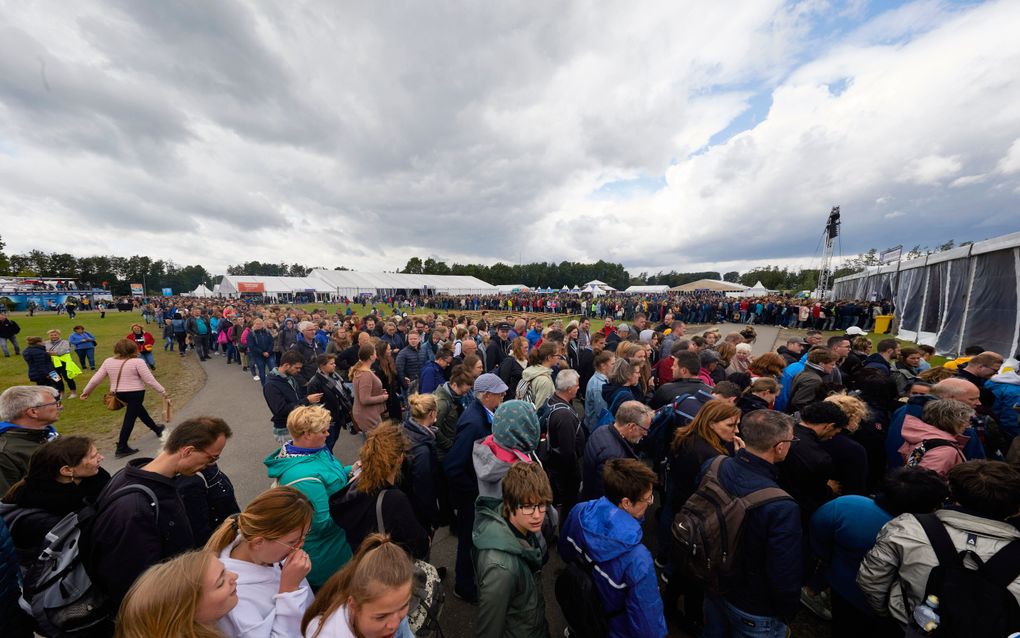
[(580, 601), (925, 446), (973, 603), (58, 591), (708, 529)]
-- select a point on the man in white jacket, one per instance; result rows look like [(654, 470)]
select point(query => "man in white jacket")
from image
[(894, 573)]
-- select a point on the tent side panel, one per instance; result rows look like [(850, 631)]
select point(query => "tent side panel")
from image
[(991, 319)]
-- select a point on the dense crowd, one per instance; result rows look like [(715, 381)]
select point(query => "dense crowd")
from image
[(682, 480)]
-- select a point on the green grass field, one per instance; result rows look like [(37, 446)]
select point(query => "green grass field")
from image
[(182, 377)]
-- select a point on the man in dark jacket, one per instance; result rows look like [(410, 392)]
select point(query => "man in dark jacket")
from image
[(260, 350), (793, 350), (806, 472), (616, 441), (686, 365), (763, 589), (127, 538), (433, 374), (885, 353), (809, 386), (566, 441), (498, 348), (410, 362), (283, 391), (27, 415), (200, 332), (475, 424), (9, 330)]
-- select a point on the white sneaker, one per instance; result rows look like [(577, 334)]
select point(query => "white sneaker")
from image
[(72, 396), (255, 378)]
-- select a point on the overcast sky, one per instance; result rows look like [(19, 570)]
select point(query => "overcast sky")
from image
[(663, 135)]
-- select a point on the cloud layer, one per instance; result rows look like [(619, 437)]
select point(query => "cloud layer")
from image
[(678, 137)]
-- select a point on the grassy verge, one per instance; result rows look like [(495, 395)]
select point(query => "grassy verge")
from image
[(182, 377)]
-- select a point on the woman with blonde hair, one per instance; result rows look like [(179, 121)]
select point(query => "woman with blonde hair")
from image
[(369, 598), (306, 463), (426, 476), (262, 545), (369, 395), (373, 497), (128, 377), (741, 360), (511, 370), (850, 459), (183, 597)]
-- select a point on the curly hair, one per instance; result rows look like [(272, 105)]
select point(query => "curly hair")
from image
[(381, 456)]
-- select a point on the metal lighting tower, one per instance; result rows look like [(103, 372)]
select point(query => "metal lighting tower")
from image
[(831, 232)]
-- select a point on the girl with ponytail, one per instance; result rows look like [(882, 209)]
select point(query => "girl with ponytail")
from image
[(369, 598), (262, 545)]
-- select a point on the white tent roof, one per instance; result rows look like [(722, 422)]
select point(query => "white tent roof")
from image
[(201, 291), (646, 289), (601, 284), (347, 281), (709, 284), (758, 286), (503, 288), (274, 285)]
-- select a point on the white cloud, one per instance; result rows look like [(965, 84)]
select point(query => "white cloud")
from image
[(361, 134)]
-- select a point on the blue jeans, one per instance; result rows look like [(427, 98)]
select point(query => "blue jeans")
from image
[(263, 364), (723, 620), (14, 342), (148, 359), (88, 354)]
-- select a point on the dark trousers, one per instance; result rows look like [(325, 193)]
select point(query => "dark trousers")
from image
[(87, 355), (62, 371), (134, 408), (850, 622), (566, 486), (182, 341), (202, 345), (465, 568)]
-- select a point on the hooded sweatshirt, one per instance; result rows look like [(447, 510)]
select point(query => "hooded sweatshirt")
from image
[(540, 378), (1006, 389), (261, 610), (625, 578), (940, 459), (317, 476), (339, 626), (508, 565)]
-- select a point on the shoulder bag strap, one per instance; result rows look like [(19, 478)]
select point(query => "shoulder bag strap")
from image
[(1004, 567), (935, 530), (378, 512), (119, 372)]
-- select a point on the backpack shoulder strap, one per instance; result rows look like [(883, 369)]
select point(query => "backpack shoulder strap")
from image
[(302, 480), (1004, 567), (945, 550), (764, 496), (380, 527), (135, 487), (713, 469)]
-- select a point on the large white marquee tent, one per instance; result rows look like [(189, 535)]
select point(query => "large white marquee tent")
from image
[(330, 285), (950, 299)]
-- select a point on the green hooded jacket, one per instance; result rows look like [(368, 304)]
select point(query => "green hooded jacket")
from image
[(509, 570), (317, 476)]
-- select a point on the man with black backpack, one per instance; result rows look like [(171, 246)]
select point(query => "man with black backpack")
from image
[(566, 440), (740, 535), (609, 586), (955, 572)]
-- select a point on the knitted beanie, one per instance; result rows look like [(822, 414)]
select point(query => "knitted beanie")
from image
[(515, 426)]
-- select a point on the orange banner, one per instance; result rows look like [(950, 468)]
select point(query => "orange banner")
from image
[(250, 287)]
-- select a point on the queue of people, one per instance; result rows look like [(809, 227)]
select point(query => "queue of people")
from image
[(843, 477)]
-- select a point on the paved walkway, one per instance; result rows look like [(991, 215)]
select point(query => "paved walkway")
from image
[(231, 394)]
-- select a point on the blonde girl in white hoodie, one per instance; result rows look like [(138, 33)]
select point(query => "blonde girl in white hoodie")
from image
[(262, 545), (369, 598)]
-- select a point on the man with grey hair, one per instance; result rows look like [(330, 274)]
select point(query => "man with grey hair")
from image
[(763, 590), (566, 440), (27, 414), (953, 388), (935, 441), (613, 339), (309, 349), (616, 441)]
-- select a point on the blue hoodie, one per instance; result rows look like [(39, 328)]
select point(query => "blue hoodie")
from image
[(625, 578)]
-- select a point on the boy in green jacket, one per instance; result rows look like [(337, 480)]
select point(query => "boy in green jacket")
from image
[(508, 560)]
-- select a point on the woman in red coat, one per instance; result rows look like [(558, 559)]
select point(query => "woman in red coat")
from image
[(144, 340)]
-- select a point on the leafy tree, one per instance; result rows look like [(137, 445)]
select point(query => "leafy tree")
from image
[(732, 277), (413, 266)]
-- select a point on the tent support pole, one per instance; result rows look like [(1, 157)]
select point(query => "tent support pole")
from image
[(966, 306)]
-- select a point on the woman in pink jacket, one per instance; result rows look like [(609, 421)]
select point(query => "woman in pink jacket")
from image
[(128, 377), (369, 394), (936, 440)]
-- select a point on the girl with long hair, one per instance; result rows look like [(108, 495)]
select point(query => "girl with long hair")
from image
[(262, 545), (183, 597), (369, 394), (369, 598), (386, 369)]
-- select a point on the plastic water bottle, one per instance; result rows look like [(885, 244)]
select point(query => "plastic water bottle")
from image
[(926, 614)]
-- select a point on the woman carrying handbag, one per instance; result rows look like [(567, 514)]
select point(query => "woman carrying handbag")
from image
[(128, 377)]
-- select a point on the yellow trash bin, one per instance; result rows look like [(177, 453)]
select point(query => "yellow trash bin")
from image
[(882, 323)]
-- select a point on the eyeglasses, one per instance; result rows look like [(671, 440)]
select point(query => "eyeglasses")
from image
[(212, 457), (790, 441), (532, 509), (649, 500), (641, 427), (46, 405), (291, 547)]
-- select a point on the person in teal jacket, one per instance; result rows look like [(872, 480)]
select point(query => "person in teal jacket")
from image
[(307, 465), (508, 556)]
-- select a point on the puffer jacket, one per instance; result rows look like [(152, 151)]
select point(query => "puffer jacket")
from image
[(449, 407), (1006, 390), (511, 603), (625, 578), (604, 444), (40, 364), (410, 363), (432, 376), (426, 475), (940, 459), (902, 558), (540, 379)]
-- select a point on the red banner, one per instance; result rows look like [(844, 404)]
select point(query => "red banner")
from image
[(250, 287)]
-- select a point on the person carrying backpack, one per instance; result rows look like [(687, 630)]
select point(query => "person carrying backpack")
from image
[(965, 555), (609, 586), (755, 589)]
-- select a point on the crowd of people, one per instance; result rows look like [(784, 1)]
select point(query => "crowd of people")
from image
[(683, 480)]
